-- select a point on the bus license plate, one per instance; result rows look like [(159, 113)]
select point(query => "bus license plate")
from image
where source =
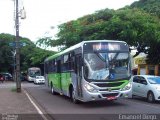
[(111, 98)]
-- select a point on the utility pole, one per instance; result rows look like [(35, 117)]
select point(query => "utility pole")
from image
[(18, 81)]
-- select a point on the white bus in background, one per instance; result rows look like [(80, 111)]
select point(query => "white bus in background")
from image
[(32, 73)]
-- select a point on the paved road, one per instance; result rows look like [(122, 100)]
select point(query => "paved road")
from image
[(11, 84), (56, 104)]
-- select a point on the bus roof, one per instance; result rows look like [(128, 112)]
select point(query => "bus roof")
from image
[(77, 46)]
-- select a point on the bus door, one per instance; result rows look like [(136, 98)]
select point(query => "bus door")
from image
[(78, 65), (59, 75)]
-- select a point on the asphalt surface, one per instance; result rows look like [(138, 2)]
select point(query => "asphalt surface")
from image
[(61, 107)]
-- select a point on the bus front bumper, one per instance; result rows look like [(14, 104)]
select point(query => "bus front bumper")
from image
[(106, 95)]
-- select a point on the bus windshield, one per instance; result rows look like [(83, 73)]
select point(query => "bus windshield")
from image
[(106, 65), (34, 72)]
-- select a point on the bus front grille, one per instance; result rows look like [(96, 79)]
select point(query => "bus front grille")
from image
[(107, 89), (110, 95), (115, 84)]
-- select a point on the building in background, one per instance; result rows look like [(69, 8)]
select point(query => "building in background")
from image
[(140, 66)]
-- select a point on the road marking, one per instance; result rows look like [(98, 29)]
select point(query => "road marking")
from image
[(34, 104)]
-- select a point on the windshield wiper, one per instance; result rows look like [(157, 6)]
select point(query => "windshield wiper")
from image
[(105, 59)]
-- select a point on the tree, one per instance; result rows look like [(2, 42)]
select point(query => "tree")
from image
[(6, 56), (137, 24), (150, 6), (134, 26), (153, 54), (30, 55), (141, 30)]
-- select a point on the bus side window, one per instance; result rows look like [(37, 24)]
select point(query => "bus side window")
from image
[(72, 63), (46, 67), (72, 60), (58, 66), (65, 64), (50, 67), (54, 66), (78, 64), (75, 67)]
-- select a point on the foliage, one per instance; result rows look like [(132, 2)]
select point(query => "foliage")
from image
[(30, 55), (5, 52), (44, 42), (137, 24), (151, 6), (134, 26), (154, 54)]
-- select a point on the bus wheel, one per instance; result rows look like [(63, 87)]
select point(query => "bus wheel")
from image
[(73, 98), (52, 90)]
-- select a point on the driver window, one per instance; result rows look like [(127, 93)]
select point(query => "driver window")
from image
[(135, 79), (94, 62), (143, 81)]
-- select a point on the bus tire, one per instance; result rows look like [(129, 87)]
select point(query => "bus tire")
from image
[(52, 90), (72, 95)]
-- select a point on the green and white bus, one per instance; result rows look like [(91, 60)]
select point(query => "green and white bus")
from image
[(90, 71)]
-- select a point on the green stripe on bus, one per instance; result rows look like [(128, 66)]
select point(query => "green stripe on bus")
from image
[(60, 80), (121, 86)]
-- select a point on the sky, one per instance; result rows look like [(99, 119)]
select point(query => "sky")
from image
[(43, 16)]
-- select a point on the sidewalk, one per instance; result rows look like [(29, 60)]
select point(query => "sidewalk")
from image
[(13, 103)]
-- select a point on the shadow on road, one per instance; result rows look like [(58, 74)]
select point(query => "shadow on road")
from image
[(91, 104), (144, 100)]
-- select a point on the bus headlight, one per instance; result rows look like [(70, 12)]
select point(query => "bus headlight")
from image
[(127, 87), (90, 88)]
